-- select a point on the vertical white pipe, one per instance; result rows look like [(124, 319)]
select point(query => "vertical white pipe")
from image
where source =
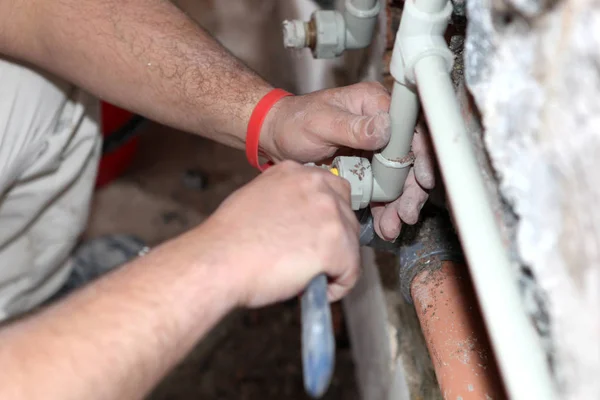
[(517, 347), (388, 178), (404, 110), (364, 4), (430, 6), (360, 17)]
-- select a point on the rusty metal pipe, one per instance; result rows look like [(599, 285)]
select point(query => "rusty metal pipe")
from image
[(458, 344)]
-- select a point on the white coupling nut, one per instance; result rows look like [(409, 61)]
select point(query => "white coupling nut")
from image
[(421, 34), (330, 34), (357, 171)]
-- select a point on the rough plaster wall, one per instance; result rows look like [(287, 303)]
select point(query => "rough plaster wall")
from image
[(533, 67)]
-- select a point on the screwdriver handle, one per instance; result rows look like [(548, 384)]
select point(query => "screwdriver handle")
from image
[(318, 343)]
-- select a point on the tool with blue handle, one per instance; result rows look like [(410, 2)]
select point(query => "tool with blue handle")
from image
[(318, 344)]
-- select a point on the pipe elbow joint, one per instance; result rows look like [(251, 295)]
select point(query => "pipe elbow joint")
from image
[(425, 245), (421, 34), (389, 177), (360, 24)]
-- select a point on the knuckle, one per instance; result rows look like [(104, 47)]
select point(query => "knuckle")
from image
[(374, 87), (343, 124), (364, 85), (353, 264), (344, 183), (326, 204), (311, 179), (288, 165), (354, 272), (332, 229)]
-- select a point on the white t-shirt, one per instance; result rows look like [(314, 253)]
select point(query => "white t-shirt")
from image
[(49, 150)]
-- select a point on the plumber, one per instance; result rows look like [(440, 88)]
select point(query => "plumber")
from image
[(118, 336)]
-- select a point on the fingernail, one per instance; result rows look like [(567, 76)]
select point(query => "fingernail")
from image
[(424, 173), (371, 127), (392, 234)]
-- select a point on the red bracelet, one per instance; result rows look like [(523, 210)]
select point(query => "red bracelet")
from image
[(255, 124)]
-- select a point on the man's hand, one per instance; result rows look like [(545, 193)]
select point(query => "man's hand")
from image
[(285, 227), (314, 127), (388, 218)]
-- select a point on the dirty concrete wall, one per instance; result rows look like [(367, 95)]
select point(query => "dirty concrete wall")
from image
[(532, 67), (532, 72)]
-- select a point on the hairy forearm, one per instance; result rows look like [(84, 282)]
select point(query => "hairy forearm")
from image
[(117, 337), (144, 55)]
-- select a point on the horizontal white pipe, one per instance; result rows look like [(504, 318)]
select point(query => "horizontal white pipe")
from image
[(517, 347)]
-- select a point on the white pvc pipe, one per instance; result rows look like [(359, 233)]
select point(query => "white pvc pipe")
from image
[(360, 17), (404, 110), (517, 347), (388, 175), (364, 4), (430, 6)]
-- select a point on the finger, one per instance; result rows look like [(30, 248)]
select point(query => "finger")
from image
[(390, 223), (284, 167), (349, 218), (345, 211), (424, 158), (340, 186), (377, 210), (411, 201), (348, 274), (342, 128), (365, 98)]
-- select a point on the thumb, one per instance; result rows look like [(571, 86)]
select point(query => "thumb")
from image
[(361, 132)]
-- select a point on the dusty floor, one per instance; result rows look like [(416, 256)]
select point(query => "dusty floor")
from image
[(252, 354)]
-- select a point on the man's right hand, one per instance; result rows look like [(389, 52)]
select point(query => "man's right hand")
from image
[(279, 231)]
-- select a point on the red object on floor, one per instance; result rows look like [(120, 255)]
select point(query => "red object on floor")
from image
[(114, 164)]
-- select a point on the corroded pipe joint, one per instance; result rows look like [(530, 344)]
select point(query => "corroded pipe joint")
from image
[(425, 245)]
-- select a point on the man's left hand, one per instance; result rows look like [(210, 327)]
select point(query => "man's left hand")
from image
[(313, 127)]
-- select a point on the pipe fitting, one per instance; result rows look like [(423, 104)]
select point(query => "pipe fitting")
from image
[(360, 23), (329, 33), (324, 34), (421, 34), (357, 171), (425, 245), (390, 176)]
